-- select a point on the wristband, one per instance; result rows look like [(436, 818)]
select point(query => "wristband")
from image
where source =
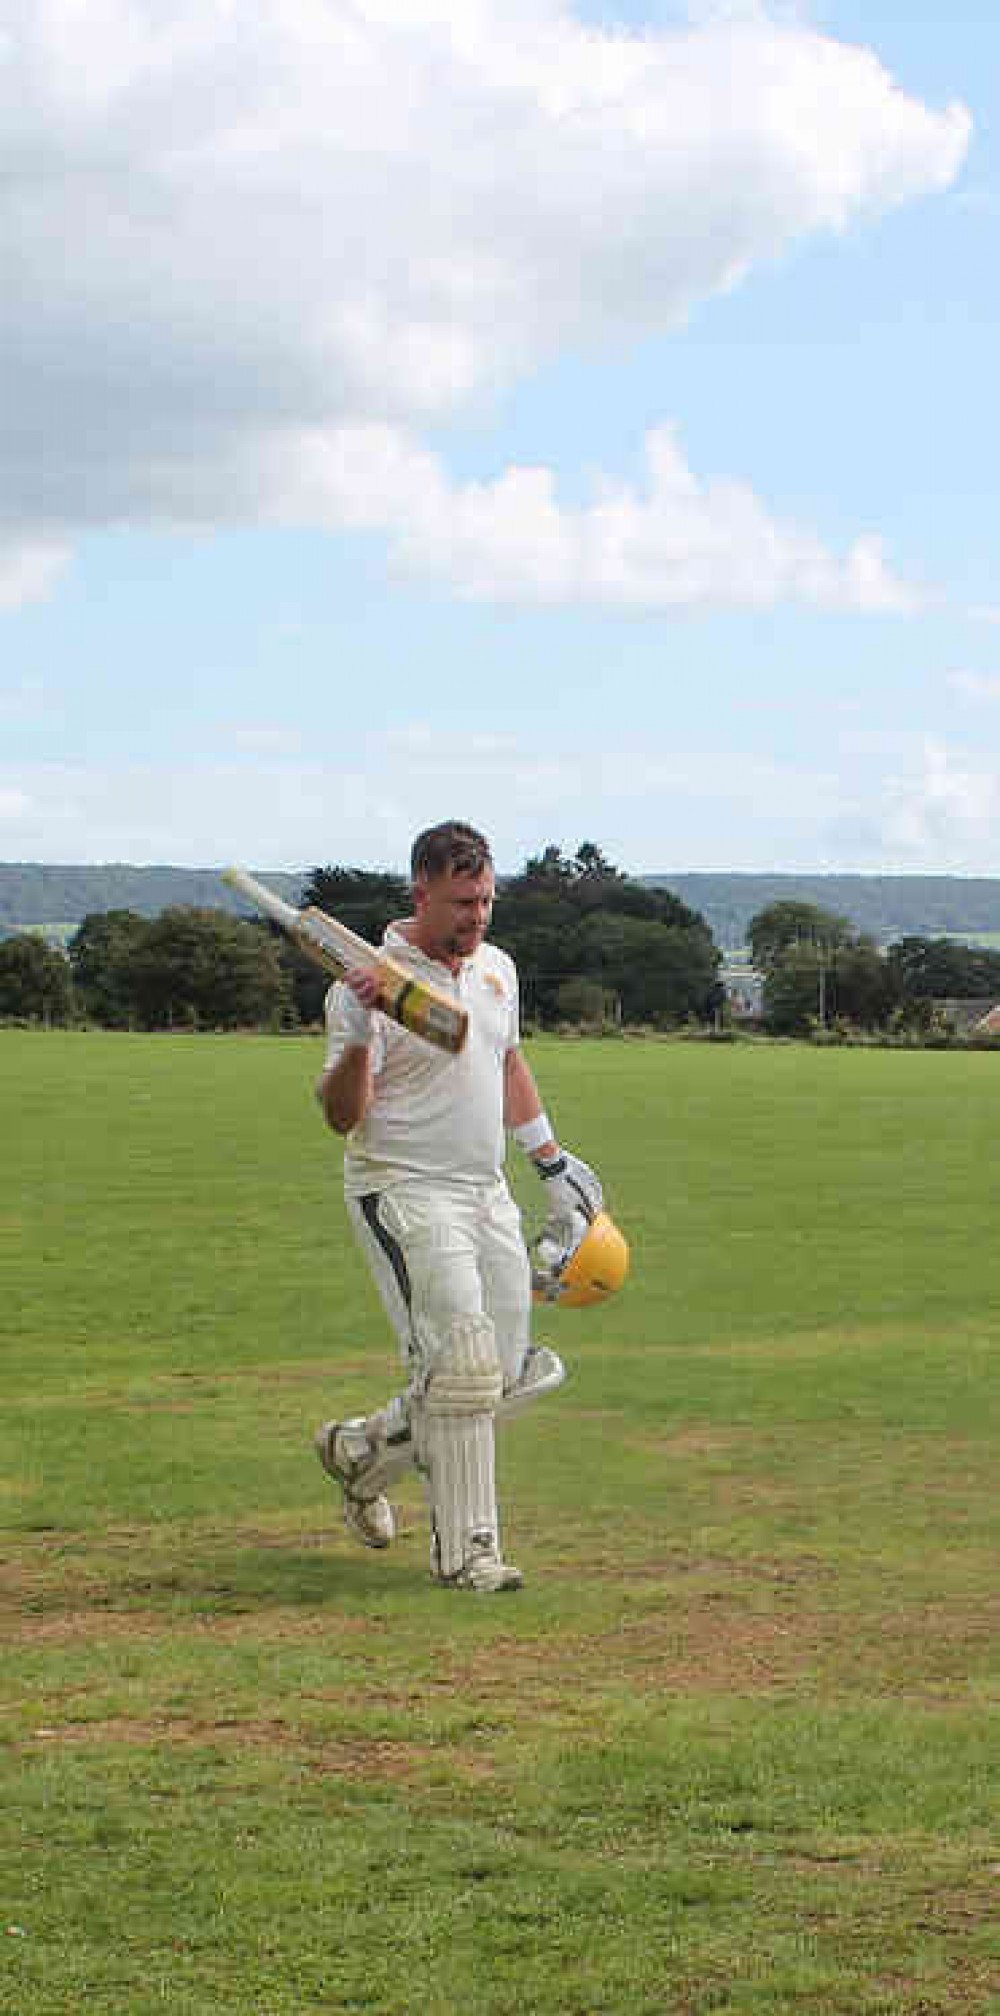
[(534, 1134)]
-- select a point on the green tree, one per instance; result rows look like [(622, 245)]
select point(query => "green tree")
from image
[(586, 1001), (574, 917), (809, 983), (102, 955), (206, 969), (660, 973), (794, 989), (535, 925), (364, 900), (549, 867), (552, 866), (781, 925), (35, 980), (934, 969), (589, 861), (863, 987)]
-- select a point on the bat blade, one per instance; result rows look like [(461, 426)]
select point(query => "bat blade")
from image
[(425, 1010)]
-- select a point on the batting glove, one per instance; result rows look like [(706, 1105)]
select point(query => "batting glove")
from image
[(357, 1021), (570, 1186)]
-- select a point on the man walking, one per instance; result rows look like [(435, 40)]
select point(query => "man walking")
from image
[(429, 1205)]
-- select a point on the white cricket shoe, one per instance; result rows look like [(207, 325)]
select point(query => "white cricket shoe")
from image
[(344, 1450), (483, 1571)]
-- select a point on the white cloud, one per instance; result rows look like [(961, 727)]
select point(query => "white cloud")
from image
[(943, 813), (231, 231), (676, 542), (14, 804), (29, 569)]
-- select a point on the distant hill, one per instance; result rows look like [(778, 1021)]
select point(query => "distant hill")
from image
[(887, 906), (33, 896), (883, 906)]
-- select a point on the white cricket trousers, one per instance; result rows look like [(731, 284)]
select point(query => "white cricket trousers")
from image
[(441, 1251)]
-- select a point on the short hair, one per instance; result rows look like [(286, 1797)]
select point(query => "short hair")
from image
[(449, 849)]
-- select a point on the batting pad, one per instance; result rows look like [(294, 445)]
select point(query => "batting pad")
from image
[(453, 1428), (390, 1435)]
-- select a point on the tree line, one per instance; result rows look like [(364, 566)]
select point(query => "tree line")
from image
[(591, 944), (186, 969), (820, 971)]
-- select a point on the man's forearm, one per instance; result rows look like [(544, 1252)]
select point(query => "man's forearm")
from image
[(523, 1106), (572, 1186), (345, 1090)]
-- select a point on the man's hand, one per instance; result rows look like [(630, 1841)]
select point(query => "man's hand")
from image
[(570, 1186), (356, 1004)]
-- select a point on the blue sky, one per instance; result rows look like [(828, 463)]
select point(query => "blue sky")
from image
[(577, 419)]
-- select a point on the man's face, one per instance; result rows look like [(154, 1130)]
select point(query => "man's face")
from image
[(453, 913)]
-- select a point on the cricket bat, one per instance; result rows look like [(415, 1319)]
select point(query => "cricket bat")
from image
[(421, 1008)]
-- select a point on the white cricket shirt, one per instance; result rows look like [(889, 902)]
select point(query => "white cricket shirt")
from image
[(434, 1116)]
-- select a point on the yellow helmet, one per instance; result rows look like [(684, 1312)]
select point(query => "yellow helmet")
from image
[(589, 1270)]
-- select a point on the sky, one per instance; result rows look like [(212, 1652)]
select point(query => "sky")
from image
[(579, 419)]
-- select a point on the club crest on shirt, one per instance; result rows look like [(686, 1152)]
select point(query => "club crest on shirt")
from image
[(497, 985)]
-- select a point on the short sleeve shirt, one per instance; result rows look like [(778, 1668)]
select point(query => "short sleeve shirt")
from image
[(434, 1117)]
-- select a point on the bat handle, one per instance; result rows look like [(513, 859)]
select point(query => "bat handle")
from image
[(262, 899)]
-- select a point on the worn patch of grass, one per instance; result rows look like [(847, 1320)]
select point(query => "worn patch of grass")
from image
[(733, 1748)]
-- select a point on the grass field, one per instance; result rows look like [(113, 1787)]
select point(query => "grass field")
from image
[(735, 1747)]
